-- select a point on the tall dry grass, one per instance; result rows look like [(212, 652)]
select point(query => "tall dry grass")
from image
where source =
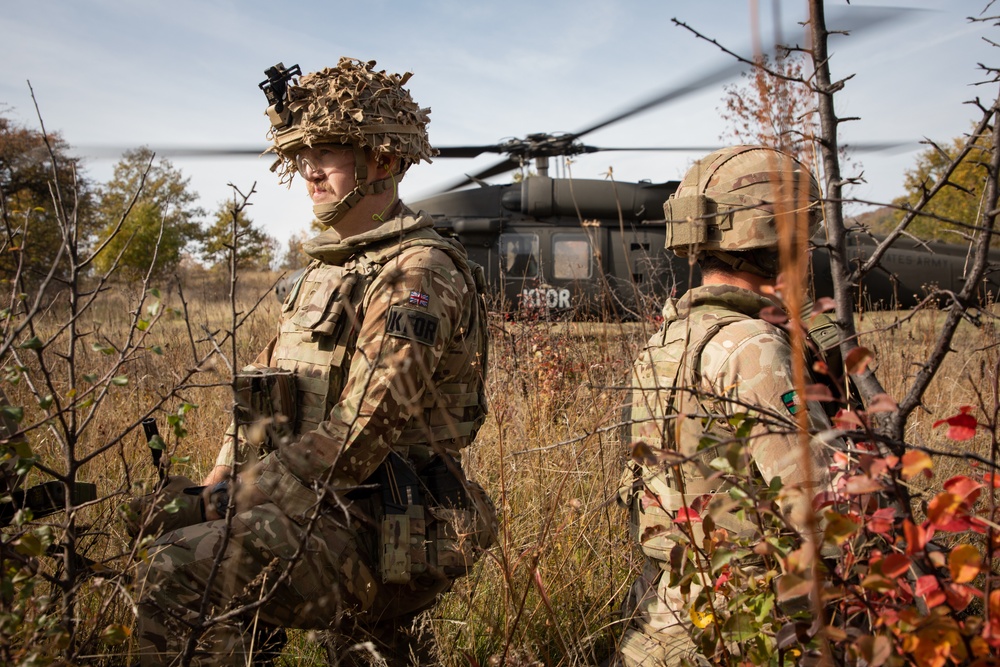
[(549, 454)]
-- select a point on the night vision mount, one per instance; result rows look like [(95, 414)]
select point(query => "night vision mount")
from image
[(275, 88)]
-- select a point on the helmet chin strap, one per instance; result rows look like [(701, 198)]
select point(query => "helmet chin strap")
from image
[(331, 214)]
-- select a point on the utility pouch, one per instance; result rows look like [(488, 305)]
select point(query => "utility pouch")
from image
[(459, 527), (452, 541), (403, 527), (265, 404)]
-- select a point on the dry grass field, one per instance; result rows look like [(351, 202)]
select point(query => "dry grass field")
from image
[(550, 455)]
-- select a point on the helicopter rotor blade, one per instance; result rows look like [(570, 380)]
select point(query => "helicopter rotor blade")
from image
[(502, 167), (466, 151), (115, 152), (856, 20)]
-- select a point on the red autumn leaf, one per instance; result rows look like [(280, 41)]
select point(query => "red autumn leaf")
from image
[(915, 462), (895, 565), (774, 315), (818, 392), (943, 509), (994, 605), (857, 360), (882, 403), (860, 484), (687, 515), (963, 487), (961, 426), (848, 420), (958, 595), (881, 520), (820, 368), (993, 479), (916, 537), (964, 563), (929, 590), (650, 499)]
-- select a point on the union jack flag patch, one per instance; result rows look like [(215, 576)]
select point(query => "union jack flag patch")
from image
[(419, 299)]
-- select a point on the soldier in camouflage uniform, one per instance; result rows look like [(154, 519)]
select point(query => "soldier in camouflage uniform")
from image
[(351, 512), (715, 358)]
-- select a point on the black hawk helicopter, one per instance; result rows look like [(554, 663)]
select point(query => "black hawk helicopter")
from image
[(580, 247)]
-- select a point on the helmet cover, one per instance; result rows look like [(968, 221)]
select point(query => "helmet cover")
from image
[(730, 200), (352, 104)]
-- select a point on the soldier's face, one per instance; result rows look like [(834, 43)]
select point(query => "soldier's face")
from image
[(328, 170)]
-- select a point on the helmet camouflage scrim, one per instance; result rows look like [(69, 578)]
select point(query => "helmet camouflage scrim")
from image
[(352, 104), (731, 199)]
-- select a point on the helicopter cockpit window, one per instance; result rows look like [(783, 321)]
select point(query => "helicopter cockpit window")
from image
[(571, 257), (519, 255)]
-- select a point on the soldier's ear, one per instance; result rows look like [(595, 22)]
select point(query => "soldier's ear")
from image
[(387, 165)]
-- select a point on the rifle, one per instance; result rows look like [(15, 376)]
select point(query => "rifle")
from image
[(50, 497), (45, 499)]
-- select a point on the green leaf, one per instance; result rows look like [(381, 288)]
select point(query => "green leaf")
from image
[(155, 292), (174, 506), (32, 343), (142, 325), (102, 348), (29, 545), (156, 442), (90, 377), (180, 459), (765, 608), (740, 628), (119, 381), (157, 349), (45, 401), (16, 414), (152, 309)]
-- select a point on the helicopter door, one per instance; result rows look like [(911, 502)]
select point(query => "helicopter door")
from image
[(520, 266)]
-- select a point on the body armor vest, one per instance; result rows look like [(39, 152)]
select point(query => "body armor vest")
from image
[(667, 400), (318, 334)]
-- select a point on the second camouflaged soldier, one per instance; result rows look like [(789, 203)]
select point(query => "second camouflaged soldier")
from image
[(357, 513), (714, 359)]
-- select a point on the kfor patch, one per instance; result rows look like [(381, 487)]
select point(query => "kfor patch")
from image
[(412, 325)]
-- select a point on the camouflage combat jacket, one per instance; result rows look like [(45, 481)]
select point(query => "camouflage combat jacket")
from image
[(385, 335), (714, 359)]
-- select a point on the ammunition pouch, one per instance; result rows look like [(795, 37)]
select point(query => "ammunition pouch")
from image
[(265, 405), (433, 523), (45, 499)]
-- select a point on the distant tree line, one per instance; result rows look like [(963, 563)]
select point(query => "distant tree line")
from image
[(148, 205)]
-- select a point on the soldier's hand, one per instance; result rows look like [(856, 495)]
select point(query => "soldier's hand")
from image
[(216, 498), (167, 509)]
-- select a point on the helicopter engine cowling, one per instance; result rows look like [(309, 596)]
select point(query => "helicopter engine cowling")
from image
[(543, 197)]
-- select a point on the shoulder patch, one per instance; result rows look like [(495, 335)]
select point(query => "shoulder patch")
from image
[(790, 399), (411, 324)]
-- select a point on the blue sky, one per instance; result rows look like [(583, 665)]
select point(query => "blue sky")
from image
[(124, 73)]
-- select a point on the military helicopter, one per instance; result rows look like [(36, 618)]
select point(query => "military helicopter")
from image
[(558, 245), (586, 248)]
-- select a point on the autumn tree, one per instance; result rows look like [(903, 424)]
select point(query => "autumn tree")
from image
[(772, 106), (256, 248), (36, 172), (295, 257), (950, 214), (163, 221)]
